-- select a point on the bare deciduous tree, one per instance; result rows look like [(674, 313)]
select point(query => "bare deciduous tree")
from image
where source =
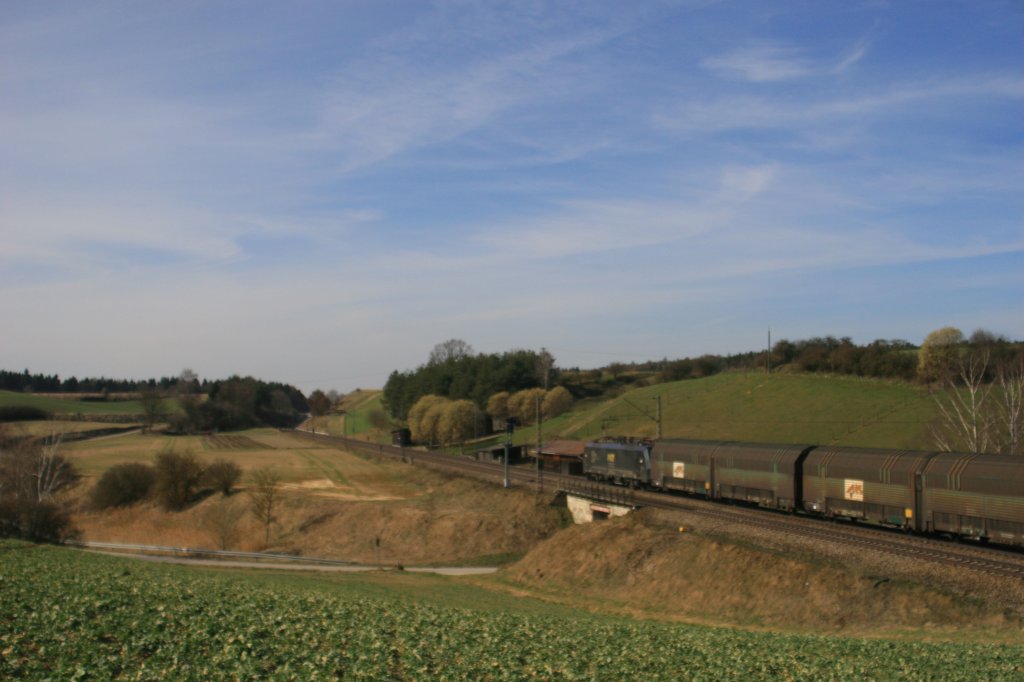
[(450, 350), (978, 414), (222, 520), (545, 363), (52, 471), (1011, 398), (31, 476), (966, 418), (319, 403), (152, 402), (178, 476), (222, 475), (264, 496)]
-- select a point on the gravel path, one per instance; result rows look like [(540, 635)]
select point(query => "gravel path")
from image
[(325, 568)]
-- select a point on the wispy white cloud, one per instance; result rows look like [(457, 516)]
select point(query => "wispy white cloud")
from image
[(767, 112), (854, 55), (374, 112), (598, 227), (760, 64), (771, 63), (745, 183)]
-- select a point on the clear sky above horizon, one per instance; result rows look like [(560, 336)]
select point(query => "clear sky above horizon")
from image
[(319, 192)]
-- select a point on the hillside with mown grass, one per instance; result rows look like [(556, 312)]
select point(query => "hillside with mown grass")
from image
[(757, 407)]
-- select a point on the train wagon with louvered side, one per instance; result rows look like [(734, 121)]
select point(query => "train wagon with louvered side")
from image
[(974, 496), (766, 475), (684, 465), (869, 484)]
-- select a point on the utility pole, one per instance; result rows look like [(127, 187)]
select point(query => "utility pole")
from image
[(509, 425), (540, 485), (769, 353), (657, 402)]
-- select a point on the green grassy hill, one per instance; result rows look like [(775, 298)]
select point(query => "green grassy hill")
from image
[(352, 417), (358, 406), (782, 408)]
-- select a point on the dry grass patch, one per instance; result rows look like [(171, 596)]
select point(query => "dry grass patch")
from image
[(447, 521), (642, 564)]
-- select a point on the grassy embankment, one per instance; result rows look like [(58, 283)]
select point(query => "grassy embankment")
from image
[(352, 417)]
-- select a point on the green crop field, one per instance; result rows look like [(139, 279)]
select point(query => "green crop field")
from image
[(70, 406), (68, 615)]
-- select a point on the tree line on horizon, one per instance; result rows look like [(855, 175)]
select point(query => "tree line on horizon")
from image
[(219, 405), (27, 382)]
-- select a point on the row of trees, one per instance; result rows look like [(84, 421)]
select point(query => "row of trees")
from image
[(522, 406), (456, 372), (236, 403), (176, 481), (233, 403), (52, 383), (882, 358), (890, 359), (436, 420)]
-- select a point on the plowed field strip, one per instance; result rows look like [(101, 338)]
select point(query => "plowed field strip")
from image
[(234, 443)]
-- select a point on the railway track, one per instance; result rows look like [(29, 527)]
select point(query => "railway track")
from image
[(992, 561)]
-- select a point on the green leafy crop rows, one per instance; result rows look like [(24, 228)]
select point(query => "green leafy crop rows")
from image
[(65, 615)]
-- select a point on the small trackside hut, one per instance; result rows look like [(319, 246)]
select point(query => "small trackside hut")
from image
[(562, 457)]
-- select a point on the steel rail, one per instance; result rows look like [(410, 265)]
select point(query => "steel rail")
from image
[(974, 558)]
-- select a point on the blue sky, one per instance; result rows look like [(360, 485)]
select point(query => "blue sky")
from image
[(319, 192)]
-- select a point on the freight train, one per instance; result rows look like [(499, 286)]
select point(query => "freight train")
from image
[(976, 496)]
